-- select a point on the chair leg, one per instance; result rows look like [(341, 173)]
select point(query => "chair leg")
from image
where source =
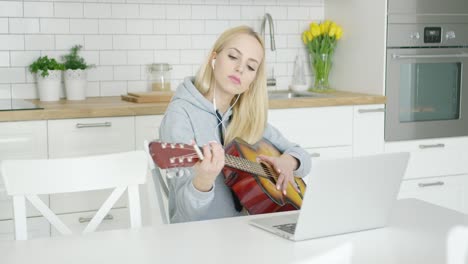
[(19, 210), (134, 206)]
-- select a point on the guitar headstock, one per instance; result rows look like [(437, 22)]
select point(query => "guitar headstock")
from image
[(173, 155)]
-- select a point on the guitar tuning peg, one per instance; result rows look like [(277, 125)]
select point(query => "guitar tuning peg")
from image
[(181, 145), (189, 159), (172, 145), (172, 160), (163, 145), (181, 159)]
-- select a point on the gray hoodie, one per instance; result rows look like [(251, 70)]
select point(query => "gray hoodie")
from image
[(191, 116)]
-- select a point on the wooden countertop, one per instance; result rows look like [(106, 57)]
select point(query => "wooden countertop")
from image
[(114, 106)]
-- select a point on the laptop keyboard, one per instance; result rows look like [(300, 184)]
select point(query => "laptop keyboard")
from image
[(289, 228)]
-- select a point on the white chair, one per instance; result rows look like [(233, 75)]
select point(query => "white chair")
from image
[(159, 190), (26, 179)]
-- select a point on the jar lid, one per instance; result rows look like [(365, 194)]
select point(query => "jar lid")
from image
[(160, 67)]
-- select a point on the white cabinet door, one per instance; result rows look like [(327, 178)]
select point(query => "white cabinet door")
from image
[(37, 227), (115, 219), (315, 127), (88, 136), (448, 191), (21, 140), (146, 128), (368, 129), (328, 153), (433, 157)]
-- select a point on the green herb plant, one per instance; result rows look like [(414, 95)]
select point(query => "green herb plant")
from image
[(44, 64), (73, 61)]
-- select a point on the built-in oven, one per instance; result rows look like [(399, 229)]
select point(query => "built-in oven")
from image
[(426, 77)]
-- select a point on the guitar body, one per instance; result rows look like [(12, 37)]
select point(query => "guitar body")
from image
[(257, 194)]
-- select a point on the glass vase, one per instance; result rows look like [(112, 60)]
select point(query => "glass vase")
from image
[(321, 64)]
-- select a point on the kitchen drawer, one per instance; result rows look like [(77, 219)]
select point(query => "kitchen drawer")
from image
[(6, 205), (37, 227), (328, 153), (88, 136), (146, 128), (115, 219), (83, 201), (448, 191), (21, 140), (315, 127), (434, 157), (368, 129)]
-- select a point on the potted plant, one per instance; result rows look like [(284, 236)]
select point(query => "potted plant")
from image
[(48, 72), (75, 74)]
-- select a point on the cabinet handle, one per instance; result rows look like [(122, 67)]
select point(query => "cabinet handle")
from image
[(441, 145), (376, 110), (88, 219), (437, 183), (86, 125), (315, 155)]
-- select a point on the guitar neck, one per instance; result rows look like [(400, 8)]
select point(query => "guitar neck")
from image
[(248, 166)]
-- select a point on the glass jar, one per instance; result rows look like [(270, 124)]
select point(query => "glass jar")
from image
[(159, 76)]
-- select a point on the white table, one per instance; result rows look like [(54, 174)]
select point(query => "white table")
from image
[(417, 234)]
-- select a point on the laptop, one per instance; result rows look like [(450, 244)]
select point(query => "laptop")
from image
[(342, 196)]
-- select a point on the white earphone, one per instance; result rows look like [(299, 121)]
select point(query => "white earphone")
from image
[(213, 63)]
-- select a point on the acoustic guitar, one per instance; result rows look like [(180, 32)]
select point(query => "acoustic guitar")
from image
[(254, 183)]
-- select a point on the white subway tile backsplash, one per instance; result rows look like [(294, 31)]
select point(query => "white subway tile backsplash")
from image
[(4, 58), (169, 27), (140, 57), (125, 11), (23, 58), (65, 42), (38, 9), (84, 26), (203, 12), (12, 75), (39, 42), (153, 42), (55, 25), (113, 88), (68, 9), (5, 91), (192, 56), (101, 73), (126, 42), (112, 26), (3, 25), (11, 8), (229, 12), (11, 42), (139, 26), (113, 58), (153, 11), (94, 10), (24, 25), (178, 12), (188, 27), (24, 91), (121, 37), (98, 42)]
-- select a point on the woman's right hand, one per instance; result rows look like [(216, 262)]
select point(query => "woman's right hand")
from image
[(207, 170)]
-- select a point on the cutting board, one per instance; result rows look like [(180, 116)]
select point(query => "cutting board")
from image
[(148, 97)]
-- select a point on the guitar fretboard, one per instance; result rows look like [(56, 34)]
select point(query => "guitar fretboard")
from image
[(249, 166)]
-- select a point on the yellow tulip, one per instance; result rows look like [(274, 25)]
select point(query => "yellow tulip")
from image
[(339, 32), (304, 37), (314, 29), (327, 25), (332, 31), (309, 36), (322, 28)]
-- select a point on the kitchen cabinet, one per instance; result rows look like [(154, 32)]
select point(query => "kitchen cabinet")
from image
[(37, 227), (146, 128), (446, 191), (368, 129)]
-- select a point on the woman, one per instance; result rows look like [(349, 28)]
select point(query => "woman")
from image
[(227, 99)]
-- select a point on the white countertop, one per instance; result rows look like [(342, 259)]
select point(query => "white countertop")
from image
[(417, 233)]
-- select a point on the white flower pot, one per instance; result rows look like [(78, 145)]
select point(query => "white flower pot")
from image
[(49, 86), (75, 84)]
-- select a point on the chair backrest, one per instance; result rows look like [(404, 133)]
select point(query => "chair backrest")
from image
[(160, 190), (26, 179)]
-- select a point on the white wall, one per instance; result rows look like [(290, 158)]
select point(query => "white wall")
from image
[(359, 60), (122, 36)]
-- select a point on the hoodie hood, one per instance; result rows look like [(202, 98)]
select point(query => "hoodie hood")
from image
[(187, 91)]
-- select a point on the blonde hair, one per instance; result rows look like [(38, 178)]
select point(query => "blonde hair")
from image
[(249, 114)]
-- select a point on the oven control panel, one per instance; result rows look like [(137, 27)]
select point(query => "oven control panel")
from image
[(432, 34)]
